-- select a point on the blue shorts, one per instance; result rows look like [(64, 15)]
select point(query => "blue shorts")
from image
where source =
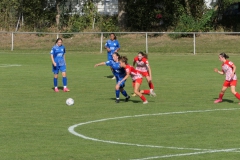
[(109, 56), (122, 85), (57, 68)]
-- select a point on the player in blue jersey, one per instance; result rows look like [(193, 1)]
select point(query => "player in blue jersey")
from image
[(119, 73), (59, 63), (112, 45)]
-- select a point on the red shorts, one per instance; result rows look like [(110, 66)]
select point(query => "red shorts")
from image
[(144, 74), (137, 81), (230, 83)]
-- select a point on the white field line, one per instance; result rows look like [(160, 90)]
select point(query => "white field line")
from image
[(188, 154), (10, 65), (71, 129)]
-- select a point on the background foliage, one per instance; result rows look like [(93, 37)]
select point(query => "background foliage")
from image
[(141, 15)]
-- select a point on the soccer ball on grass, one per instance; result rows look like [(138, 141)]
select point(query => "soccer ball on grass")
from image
[(69, 101)]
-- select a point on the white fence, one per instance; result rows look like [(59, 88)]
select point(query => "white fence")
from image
[(144, 36)]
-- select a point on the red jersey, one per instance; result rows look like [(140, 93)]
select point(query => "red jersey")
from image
[(133, 72), (227, 68), (142, 65)]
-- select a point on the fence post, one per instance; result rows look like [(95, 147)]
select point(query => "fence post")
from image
[(101, 42), (57, 36), (146, 42), (194, 43), (12, 42)]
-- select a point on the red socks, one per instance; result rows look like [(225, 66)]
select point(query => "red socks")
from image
[(151, 85), (146, 92), (143, 98), (237, 95), (221, 96)]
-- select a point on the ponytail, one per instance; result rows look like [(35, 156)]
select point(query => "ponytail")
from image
[(224, 55)]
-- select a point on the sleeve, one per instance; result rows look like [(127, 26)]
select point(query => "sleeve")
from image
[(106, 44), (145, 60), (230, 63), (135, 59), (52, 51), (127, 70), (108, 63), (118, 45)]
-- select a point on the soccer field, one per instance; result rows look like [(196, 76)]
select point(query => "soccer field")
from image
[(181, 123)]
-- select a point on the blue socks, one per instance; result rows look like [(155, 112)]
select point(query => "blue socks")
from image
[(124, 93), (64, 79), (55, 82), (117, 94)]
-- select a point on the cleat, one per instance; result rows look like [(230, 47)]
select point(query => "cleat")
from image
[(146, 102), (56, 90), (66, 90), (117, 101), (153, 94), (113, 77), (218, 100), (126, 99), (134, 95)]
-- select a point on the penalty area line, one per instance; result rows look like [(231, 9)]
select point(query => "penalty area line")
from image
[(10, 65)]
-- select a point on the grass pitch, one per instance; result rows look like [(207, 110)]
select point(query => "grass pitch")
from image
[(34, 120)]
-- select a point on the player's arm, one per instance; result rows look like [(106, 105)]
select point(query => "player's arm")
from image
[(53, 62), (64, 59), (118, 47), (100, 64), (234, 70), (107, 47), (126, 77), (220, 72), (149, 70)]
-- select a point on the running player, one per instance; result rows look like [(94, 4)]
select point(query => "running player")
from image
[(229, 69), (136, 77), (144, 68), (119, 73), (59, 63), (112, 45)]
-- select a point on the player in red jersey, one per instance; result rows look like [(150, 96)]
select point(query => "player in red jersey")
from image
[(135, 75), (229, 69), (144, 68)]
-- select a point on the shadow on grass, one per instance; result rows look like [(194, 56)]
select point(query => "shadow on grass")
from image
[(226, 100), (111, 76), (130, 100), (60, 88)]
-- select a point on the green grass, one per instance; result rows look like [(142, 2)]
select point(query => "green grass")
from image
[(34, 120)]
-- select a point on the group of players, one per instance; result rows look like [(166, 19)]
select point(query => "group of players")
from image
[(122, 70)]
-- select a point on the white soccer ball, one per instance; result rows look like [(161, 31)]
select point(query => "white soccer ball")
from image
[(69, 101)]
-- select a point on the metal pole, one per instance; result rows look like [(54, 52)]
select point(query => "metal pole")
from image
[(146, 42), (101, 42), (12, 42), (194, 43), (57, 36)]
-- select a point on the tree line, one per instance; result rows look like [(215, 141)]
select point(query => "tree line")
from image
[(133, 15)]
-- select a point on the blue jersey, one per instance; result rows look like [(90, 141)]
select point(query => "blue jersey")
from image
[(58, 55), (112, 45), (117, 70)]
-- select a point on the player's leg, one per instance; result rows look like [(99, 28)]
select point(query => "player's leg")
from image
[(233, 89), (151, 86), (64, 78), (136, 90), (145, 92), (117, 91), (55, 78), (221, 94), (124, 93)]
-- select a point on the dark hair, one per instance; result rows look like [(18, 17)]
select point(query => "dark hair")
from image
[(224, 55), (114, 35), (59, 39), (123, 59), (143, 54), (117, 54)]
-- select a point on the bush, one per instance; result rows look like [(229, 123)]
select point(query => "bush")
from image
[(188, 23)]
